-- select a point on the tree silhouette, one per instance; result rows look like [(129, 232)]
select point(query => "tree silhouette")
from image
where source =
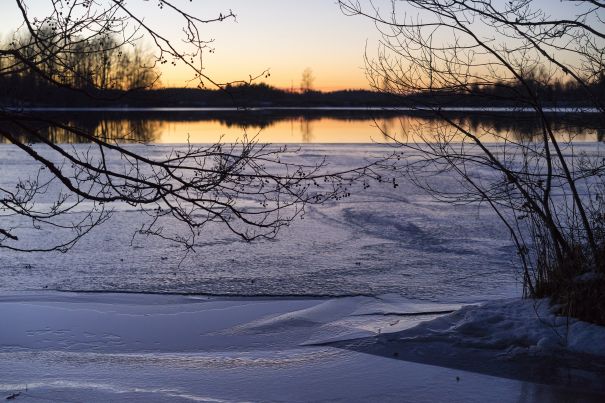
[(547, 194), (87, 47), (307, 80)]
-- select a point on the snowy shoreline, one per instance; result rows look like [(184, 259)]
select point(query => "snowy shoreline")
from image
[(97, 347)]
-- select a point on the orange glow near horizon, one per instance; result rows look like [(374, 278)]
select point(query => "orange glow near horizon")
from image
[(281, 36), (325, 80)]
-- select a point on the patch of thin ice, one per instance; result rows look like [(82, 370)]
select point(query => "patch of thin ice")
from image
[(393, 304)]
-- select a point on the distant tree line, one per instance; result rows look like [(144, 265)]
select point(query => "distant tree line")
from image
[(115, 77), (44, 68)]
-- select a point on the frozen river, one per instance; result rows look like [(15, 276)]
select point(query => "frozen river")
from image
[(381, 240), (241, 321)]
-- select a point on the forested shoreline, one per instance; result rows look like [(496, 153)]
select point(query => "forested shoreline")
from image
[(24, 91)]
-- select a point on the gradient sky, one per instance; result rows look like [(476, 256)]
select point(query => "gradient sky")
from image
[(285, 36)]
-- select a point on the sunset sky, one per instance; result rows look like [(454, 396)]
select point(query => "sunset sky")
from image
[(285, 36)]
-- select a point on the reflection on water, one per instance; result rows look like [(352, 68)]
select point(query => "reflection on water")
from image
[(205, 126)]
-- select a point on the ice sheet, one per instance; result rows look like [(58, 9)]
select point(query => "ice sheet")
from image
[(381, 240), (113, 347)]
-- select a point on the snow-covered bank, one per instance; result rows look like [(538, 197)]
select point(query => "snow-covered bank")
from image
[(117, 347), (515, 326), (515, 338)]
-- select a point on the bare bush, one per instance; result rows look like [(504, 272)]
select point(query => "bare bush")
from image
[(92, 47), (442, 54)]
